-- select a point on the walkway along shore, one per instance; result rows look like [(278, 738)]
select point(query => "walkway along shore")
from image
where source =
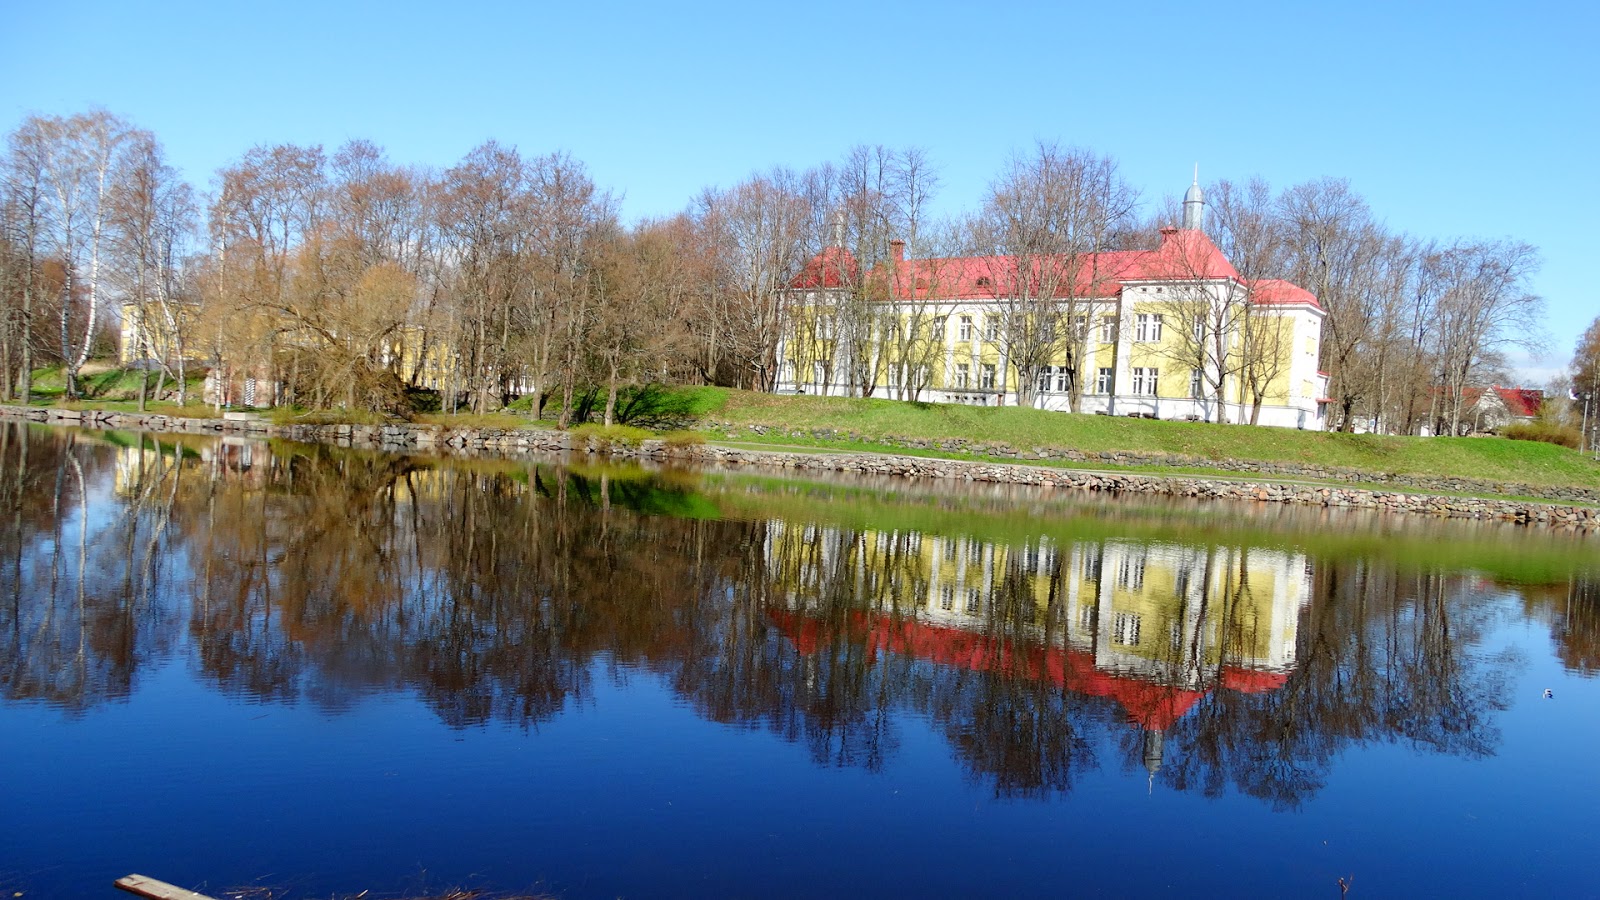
[(478, 441)]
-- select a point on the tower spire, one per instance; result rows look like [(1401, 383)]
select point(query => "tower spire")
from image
[(1194, 205)]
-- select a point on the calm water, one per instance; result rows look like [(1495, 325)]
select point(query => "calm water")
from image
[(231, 664)]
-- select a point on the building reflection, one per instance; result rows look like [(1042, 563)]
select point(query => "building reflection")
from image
[(1151, 627)]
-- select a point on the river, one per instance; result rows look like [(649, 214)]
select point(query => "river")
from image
[(309, 671)]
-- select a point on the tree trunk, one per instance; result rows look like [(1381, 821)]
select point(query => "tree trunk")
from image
[(611, 396)]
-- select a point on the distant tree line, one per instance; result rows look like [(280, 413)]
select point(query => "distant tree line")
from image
[(353, 281)]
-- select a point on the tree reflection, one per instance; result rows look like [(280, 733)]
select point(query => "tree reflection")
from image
[(497, 592), (81, 614)]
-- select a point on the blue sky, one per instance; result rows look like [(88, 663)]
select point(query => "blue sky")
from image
[(1460, 119)]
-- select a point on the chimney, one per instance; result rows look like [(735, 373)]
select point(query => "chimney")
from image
[(897, 249)]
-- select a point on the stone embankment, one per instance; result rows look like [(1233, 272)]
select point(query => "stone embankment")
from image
[(470, 441), (1136, 459)]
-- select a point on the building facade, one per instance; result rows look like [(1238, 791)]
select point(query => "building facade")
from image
[(1170, 333)]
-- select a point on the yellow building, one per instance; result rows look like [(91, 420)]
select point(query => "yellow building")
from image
[(1170, 333)]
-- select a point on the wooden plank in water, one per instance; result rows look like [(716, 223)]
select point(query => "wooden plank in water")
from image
[(145, 886)]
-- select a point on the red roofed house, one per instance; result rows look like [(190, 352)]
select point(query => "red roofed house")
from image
[(1494, 407), (1170, 333)]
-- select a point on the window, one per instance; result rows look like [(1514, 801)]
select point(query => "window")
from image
[(973, 601), (1147, 327), (1063, 379), (1196, 384), (983, 281), (961, 376), (936, 329), (991, 328), (1125, 629), (1086, 617), (819, 374), (1108, 329), (1130, 572), (1102, 381), (947, 597), (1044, 379), (1091, 563), (1198, 330), (1080, 326), (986, 377), (964, 331), (1144, 381), (825, 328)]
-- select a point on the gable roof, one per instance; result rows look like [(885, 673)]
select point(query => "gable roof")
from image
[(1521, 402)]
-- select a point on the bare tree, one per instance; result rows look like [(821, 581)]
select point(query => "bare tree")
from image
[(1045, 220), (757, 234), (269, 204), (150, 218), (1333, 246), (26, 212), (1485, 306)]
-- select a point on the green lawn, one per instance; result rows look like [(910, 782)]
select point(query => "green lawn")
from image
[(1493, 459)]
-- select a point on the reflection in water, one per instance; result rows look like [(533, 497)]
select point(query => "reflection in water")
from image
[(1152, 628), (491, 589)]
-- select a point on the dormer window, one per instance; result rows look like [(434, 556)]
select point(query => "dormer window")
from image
[(983, 281)]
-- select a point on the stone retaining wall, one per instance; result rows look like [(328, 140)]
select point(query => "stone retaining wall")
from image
[(470, 441), (1136, 458)]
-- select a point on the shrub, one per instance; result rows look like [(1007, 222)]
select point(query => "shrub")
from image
[(1546, 432), (424, 400), (678, 440), (614, 436)]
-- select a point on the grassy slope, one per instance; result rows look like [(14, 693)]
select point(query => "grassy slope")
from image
[(1491, 459), (1024, 429)]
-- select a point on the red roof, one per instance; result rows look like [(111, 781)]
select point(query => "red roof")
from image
[(1147, 703), (1184, 255), (834, 267), (1521, 402), (1273, 291)]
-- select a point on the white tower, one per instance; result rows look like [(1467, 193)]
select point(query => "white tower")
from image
[(1194, 205)]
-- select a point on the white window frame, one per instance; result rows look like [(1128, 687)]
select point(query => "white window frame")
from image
[(1103, 379), (964, 329), (986, 376), (963, 372), (1147, 328)]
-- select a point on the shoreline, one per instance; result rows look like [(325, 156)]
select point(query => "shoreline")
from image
[(472, 441)]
